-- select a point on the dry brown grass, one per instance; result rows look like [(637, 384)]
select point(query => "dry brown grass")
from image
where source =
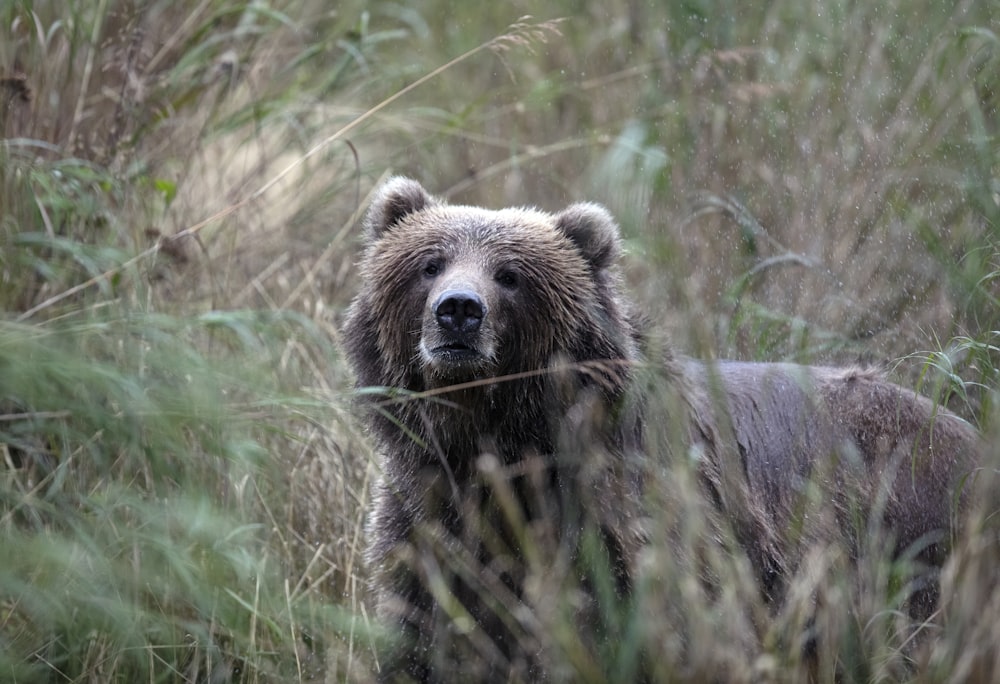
[(183, 484)]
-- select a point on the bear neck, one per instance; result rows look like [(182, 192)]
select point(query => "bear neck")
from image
[(511, 420)]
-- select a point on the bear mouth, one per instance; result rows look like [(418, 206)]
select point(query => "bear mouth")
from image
[(451, 359), (455, 352)]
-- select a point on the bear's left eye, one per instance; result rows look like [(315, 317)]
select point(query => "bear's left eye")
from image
[(507, 278)]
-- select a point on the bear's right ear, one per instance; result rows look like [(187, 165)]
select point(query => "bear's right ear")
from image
[(395, 200)]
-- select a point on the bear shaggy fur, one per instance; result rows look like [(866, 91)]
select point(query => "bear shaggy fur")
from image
[(515, 415)]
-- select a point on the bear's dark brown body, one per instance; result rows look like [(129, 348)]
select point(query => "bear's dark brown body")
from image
[(519, 420)]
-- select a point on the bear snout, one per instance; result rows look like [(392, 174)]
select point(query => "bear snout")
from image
[(459, 311), (456, 342)]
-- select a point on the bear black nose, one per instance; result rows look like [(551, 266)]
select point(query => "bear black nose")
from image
[(460, 311)]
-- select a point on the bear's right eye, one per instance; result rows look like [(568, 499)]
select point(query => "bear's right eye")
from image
[(432, 268)]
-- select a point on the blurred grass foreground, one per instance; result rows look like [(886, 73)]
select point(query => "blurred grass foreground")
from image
[(182, 485)]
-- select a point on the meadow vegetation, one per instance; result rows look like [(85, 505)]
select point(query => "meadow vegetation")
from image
[(182, 484)]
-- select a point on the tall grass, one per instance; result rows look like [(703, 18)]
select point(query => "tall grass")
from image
[(158, 445), (183, 486)]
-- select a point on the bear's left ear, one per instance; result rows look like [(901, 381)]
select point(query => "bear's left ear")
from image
[(593, 230), (394, 200)]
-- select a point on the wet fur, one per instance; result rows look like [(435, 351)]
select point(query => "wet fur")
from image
[(565, 423)]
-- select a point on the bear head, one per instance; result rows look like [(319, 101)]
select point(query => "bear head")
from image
[(453, 294)]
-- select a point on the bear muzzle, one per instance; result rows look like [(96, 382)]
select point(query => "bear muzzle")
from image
[(454, 332)]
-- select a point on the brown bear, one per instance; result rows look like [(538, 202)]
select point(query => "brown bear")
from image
[(507, 383)]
